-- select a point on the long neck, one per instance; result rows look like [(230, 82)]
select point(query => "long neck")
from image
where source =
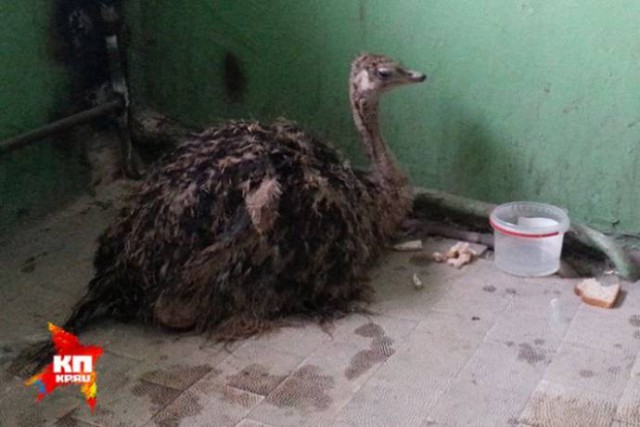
[(391, 194), (384, 168)]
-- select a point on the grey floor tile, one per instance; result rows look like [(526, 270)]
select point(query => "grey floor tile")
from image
[(622, 424), (549, 297), (555, 405), (630, 299), (133, 406), (383, 403), (363, 328), (302, 339), (19, 408), (208, 402), (438, 349), (628, 411), (467, 404), (257, 368), (479, 293), (514, 366), (613, 329), (590, 369), (69, 421), (250, 423), (541, 329), (328, 379)]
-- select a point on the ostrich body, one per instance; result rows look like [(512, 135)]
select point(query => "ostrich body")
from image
[(247, 223)]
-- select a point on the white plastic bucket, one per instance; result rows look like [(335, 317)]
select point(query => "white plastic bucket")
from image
[(528, 237)]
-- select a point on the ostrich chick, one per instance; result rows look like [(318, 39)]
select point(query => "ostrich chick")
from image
[(247, 223)]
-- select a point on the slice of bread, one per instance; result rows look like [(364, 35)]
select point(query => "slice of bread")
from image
[(593, 293)]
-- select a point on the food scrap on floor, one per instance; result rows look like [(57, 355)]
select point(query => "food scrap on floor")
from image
[(595, 293), (458, 255)]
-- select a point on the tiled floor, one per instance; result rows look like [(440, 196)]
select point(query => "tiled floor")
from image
[(474, 347)]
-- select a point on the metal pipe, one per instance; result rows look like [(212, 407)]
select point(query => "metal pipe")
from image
[(12, 144), (119, 87)]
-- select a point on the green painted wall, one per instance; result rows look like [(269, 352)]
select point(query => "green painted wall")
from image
[(32, 90), (527, 99)]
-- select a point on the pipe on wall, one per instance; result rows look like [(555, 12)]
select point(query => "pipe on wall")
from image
[(28, 138)]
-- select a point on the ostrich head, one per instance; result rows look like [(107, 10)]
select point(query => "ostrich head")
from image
[(374, 74)]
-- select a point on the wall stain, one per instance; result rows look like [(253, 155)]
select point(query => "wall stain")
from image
[(635, 321), (489, 288), (235, 82)]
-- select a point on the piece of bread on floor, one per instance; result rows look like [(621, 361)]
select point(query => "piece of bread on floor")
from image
[(593, 293)]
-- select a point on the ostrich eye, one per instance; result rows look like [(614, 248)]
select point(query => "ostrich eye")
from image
[(384, 73)]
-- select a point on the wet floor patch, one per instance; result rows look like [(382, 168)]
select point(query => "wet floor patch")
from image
[(306, 389), (256, 379), (67, 421), (381, 348), (370, 330), (185, 406), (177, 376), (159, 395), (563, 410), (527, 353), (237, 397)]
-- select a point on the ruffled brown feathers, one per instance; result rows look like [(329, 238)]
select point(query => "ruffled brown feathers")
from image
[(245, 221)]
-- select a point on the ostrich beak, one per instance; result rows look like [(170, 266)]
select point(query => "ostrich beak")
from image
[(415, 76)]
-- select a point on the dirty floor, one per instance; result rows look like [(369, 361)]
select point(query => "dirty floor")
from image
[(473, 347)]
